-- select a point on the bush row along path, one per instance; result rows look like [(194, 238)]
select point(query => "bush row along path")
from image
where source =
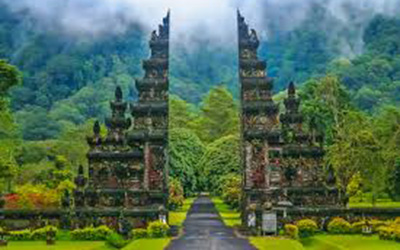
[(204, 230)]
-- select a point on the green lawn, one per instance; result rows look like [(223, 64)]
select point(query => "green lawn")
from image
[(382, 204), (148, 244), (176, 218), (60, 245), (326, 242), (230, 217), (142, 244)]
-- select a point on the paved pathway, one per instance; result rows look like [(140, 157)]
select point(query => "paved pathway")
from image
[(204, 230)]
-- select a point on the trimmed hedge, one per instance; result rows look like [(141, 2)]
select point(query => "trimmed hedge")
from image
[(139, 233), (117, 241), (307, 227), (21, 235), (157, 229), (292, 231), (91, 233), (339, 226), (25, 235)]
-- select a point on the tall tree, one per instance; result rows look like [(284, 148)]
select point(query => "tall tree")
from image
[(219, 115), (357, 150)]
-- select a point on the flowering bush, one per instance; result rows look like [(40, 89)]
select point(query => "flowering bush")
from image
[(116, 241), (357, 227), (20, 235), (231, 190), (41, 233), (292, 231), (139, 233), (339, 226), (176, 197), (307, 227), (33, 196), (157, 229), (91, 233)]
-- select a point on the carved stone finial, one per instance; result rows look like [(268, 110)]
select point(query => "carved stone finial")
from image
[(291, 89), (80, 170), (96, 128), (118, 93)]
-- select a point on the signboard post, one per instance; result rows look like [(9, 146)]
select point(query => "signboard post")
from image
[(269, 222)]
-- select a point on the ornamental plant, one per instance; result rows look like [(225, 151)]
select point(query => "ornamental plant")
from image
[(292, 231), (176, 197), (307, 227), (116, 241), (139, 233), (339, 226), (157, 229), (357, 227), (91, 233), (41, 233), (22, 235)]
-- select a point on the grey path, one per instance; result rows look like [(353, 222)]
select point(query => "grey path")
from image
[(204, 230)]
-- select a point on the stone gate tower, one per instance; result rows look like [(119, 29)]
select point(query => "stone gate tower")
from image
[(127, 173), (282, 163)]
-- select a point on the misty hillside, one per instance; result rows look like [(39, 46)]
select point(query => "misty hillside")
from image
[(71, 79)]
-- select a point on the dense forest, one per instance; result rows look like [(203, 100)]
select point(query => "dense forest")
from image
[(58, 85)]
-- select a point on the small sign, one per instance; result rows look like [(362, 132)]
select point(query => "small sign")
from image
[(251, 220), (269, 222)]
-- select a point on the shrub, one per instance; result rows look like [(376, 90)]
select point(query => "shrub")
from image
[(157, 229), (139, 233), (231, 190), (307, 227), (91, 233), (117, 241), (395, 234), (357, 227), (292, 231), (41, 233), (339, 226), (376, 224), (20, 235), (386, 233), (176, 197)]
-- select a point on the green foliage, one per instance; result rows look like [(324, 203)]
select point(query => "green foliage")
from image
[(139, 233), (157, 229), (219, 115), (185, 152), (41, 233), (91, 233), (357, 150), (117, 241), (176, 198), (357, 227), (394, 182), (9, 76), (307, 227), (355, 185), (37, 234), (232, 190), (221, 158), (339, 226), (292, 231), (22, 235)]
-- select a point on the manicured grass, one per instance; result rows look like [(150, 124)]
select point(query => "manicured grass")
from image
[(60, 245), (230, 217), (142, 244), (381, 204), (264, 243), (176, 218), (326, 242), (148, 244)]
